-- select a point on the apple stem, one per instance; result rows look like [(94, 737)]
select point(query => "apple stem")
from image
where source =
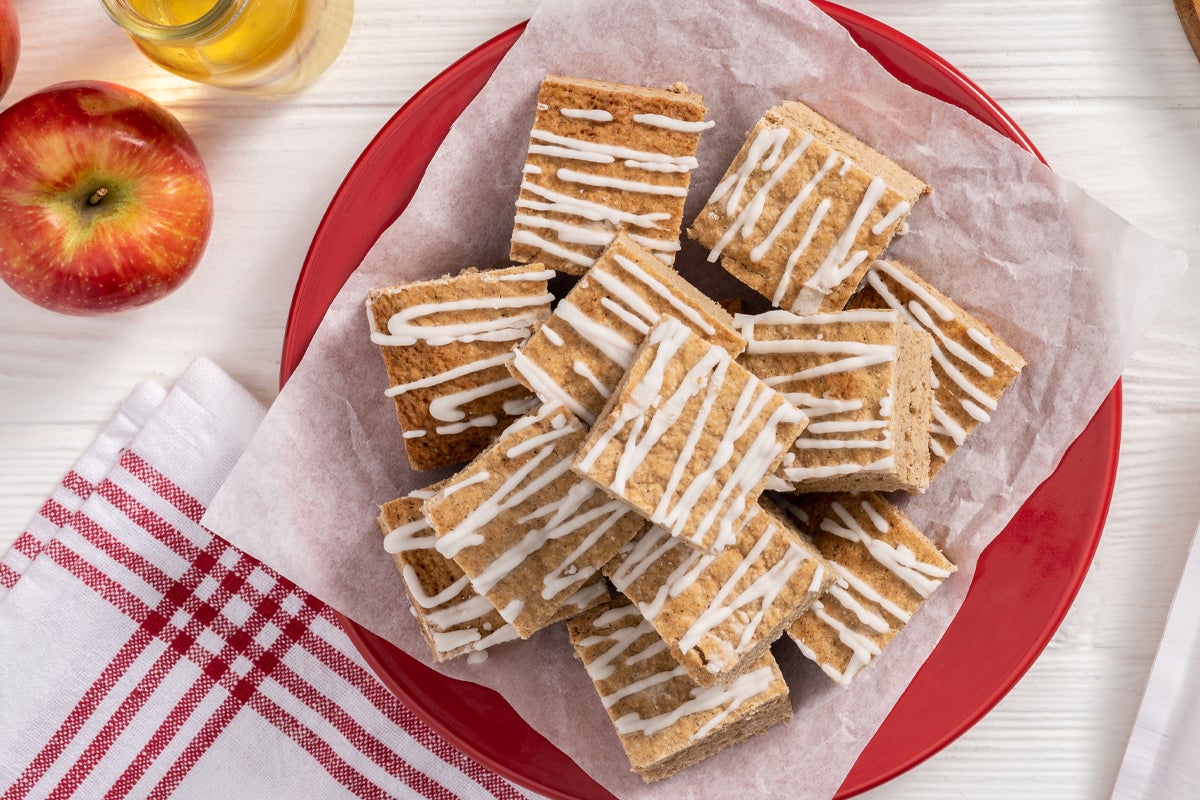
[(98, 196)]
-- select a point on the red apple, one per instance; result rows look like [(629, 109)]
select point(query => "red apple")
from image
[(10, 44), (104, 201)]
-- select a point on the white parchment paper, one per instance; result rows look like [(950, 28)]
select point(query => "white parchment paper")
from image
[(1063, 279)]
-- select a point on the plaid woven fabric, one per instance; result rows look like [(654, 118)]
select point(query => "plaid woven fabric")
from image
[(146, 657)]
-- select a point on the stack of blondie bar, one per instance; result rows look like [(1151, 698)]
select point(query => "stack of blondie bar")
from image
[(684, 487)]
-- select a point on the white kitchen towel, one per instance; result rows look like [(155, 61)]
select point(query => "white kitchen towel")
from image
[(78, 484), (142, 656), (1162, 759)]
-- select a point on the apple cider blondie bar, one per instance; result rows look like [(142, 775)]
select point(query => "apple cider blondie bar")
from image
[(580, 354), (603, 158), (885, 569), (862, 378), (665, 721), (720, 613), (528, 531), (452, 616), (689, 438), (972, 366), (803, 210), (445, 344)]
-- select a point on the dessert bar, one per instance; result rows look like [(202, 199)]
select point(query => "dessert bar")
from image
[(803, 210), (689, 438), (720, 613), (605, 157), (452, 616), (667, 722), (580, 354), (885, 569), (445, 344), (527, 530), (862, 377), (972, 366)]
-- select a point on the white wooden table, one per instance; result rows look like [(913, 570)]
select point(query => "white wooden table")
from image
[(1109, 92)]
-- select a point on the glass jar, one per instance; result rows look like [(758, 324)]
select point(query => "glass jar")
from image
[(266, 46)]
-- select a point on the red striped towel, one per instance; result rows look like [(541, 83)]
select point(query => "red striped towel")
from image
[(143, 656)]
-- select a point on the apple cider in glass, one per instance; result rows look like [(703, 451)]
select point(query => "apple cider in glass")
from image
[(267, 46)]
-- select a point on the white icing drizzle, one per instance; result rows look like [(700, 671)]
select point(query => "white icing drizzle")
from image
[(617, 151), (862, 648), (531, 169), (610, 699), (449, 375), (622, 639), (869, 592), (608, 182), (688, 311), (672, 124), (569, 233), (486, 421), (808, 443), (836, 267), (404, 538), (426, 601), (745, 220), (547, 387), (656, 544), (922, 577), (651, 166), (628, 317), (512, 610), (565, 231), (566, 204), (813, 224), (981, 339), (829, 430), (841, 593), (846, 426), (839, 263), (517, 408), (920, 313), (790, 211), (727, 698), (589, 114), (438, 614), (724, 700), (403, 332), (763, 590), (533, 240), (552, 336), (414, 434), (584, 371), (614, 615), (877, 519), (555, 151), (448, 641), (731, 187), (586, 595), (798, 474), (888, 219), (611, 343), (470, 480), (568, 572)]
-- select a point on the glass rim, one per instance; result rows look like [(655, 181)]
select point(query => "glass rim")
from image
[(137, 24)]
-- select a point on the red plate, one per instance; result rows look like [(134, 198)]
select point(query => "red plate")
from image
[(1025, 580)]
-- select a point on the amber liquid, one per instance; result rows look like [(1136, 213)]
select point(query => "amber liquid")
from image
[(267, 45)]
